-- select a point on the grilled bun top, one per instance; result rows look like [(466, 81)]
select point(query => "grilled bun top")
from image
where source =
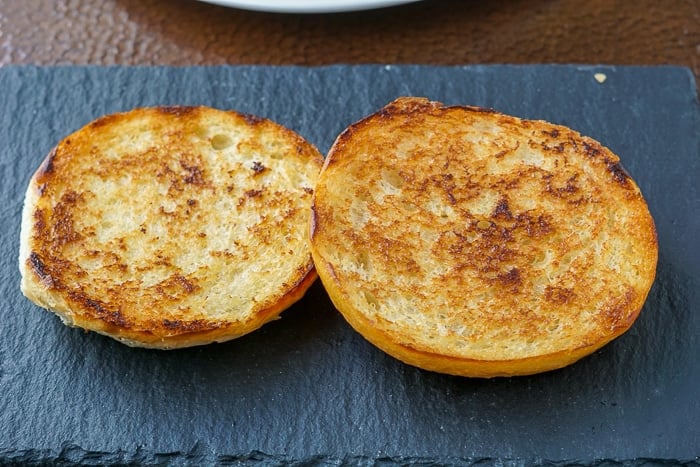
[(465, 241), (170, 227)]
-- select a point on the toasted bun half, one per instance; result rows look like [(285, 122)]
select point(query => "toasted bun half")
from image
[(468, 242), (170, 227)]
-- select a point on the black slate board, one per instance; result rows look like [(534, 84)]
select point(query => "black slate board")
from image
[(308, 389)]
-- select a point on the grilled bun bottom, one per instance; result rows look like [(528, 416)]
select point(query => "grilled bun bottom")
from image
[(468, 242), (170, 227)]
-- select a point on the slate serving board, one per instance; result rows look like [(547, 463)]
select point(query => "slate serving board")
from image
[(307, 389)]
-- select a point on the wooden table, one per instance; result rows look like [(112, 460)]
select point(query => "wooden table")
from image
[(186, 32)]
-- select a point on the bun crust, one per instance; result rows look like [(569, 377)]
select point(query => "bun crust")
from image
[(170, 227), (465, 241)]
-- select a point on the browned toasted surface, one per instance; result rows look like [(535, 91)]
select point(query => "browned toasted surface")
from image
[(172, 226), (467, 241)]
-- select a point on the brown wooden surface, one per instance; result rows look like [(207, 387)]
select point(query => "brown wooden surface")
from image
[(184, 32)]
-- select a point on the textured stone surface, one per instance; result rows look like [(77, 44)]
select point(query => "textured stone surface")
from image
[(307, 388)]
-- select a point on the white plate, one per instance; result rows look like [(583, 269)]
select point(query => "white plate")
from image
[(308, 6)]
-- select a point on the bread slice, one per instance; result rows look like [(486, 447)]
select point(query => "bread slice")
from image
[(468, 242), (170, 227)]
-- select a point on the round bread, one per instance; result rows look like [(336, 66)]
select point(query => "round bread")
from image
[(468, 242), (170, 227)]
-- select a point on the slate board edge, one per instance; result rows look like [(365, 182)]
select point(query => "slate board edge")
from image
[(596, 67), (75, 455)]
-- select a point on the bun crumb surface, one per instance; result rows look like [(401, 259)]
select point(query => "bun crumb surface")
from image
[(465, 241), (170, 227)]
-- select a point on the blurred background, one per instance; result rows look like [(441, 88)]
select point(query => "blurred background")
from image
[(187, 32)]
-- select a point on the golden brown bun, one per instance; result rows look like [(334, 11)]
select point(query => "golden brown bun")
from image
[(468, 242), (170, 227)]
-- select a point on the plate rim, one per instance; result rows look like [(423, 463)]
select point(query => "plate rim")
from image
[(307, 6)]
